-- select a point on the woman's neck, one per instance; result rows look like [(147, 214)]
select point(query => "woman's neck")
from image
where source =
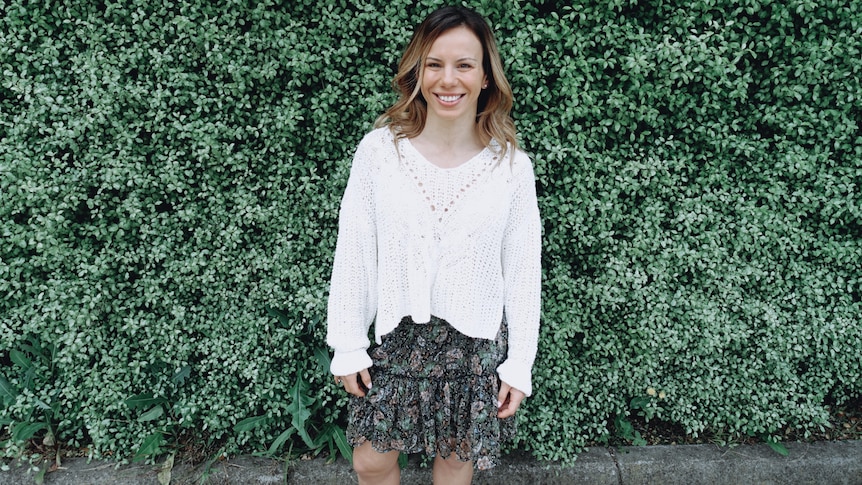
[(448, 144), (460, 132)]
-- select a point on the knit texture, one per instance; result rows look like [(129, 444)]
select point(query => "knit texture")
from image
[(414, 239)]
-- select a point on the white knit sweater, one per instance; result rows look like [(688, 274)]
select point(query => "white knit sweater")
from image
[(414, 239)]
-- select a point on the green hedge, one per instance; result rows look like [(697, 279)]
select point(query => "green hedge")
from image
[(171, 175)]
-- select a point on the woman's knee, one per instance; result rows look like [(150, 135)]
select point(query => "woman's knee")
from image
[(451, 470), (369, 462)]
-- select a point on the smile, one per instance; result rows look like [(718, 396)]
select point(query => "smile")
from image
[(449, 99)]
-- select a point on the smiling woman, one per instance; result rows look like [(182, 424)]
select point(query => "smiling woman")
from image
[(438, 245), (453, 78), (451, 33)]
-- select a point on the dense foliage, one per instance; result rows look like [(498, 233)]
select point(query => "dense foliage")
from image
[(171, 172)]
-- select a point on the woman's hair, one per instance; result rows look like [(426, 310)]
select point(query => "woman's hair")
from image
[(406, 118)]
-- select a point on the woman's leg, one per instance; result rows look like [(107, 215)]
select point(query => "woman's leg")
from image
[(451, 471), (374, 467)]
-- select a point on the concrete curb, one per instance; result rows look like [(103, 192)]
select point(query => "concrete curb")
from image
[(815, 463)]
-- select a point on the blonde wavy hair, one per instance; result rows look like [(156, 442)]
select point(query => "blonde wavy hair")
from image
[(406, 117)]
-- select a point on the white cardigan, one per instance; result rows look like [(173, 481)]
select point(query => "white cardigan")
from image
[(462, 244)]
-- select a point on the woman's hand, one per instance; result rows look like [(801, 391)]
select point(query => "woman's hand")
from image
[(509, 400), (356, 383)]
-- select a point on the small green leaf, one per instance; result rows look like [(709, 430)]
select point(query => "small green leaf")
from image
[(25, 431), (39, 478), (299, 409), (321, 354), (280, 440), (777, 446), (154, 413), (282, 317), (249, 424), (21, 359), (34, 349), (343, 445), (7, 392), (182, 374), (144, 400), (150, 446)]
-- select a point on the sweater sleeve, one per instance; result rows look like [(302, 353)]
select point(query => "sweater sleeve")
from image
[(522, 275), (353, 288)]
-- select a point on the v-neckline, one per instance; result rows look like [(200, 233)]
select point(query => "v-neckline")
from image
[(440, 212), (425, 159)]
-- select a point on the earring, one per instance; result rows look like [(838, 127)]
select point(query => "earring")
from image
[(485, 86)]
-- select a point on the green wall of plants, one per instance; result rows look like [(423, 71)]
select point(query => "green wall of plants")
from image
[(170, 174)]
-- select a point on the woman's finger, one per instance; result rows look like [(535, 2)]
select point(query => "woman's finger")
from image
[(351, 384), (510, 400), (365, 376)]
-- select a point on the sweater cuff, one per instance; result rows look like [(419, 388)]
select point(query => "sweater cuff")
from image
[(346, 363), (517, 375)]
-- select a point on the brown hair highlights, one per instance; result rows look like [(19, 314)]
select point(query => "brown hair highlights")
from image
[(406, 118)]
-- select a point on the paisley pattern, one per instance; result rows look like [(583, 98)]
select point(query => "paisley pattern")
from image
[(433, 392)]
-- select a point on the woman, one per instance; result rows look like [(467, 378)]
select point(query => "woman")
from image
[(439, 243)]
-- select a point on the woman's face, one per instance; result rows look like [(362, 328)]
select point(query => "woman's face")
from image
[(453, 77)]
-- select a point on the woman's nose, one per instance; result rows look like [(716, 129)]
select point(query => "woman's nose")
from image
[(449, 75)]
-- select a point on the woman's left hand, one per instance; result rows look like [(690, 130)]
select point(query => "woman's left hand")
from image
[(509, 400)]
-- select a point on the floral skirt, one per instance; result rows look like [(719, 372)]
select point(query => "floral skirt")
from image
[(433, 391)]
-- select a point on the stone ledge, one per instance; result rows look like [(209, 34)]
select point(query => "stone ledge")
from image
[(820, 463)]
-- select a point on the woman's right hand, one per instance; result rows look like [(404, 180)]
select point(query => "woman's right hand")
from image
[(355, 383)]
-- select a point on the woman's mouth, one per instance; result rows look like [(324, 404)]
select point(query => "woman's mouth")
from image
[(449, 99)]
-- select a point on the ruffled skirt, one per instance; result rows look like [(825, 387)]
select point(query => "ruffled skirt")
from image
[(433, 392)]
